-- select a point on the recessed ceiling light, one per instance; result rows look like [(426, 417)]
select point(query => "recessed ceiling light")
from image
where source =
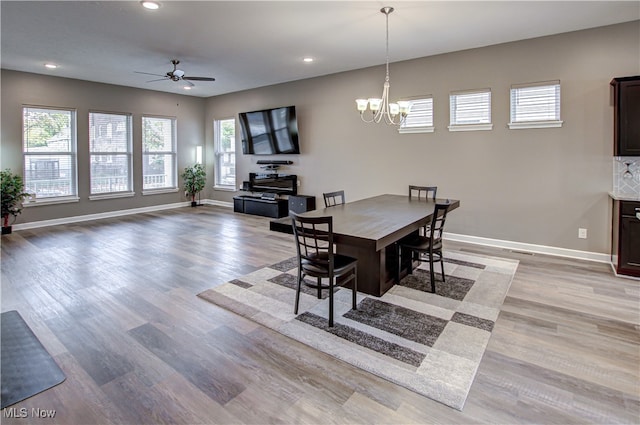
[(51, 65), (151, 5), (308, 59), (187, 87)]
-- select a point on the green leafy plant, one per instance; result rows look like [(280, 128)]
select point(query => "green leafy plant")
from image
[(13, 195), (194, 178)]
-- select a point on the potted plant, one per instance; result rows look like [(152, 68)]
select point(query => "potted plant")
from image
[(194, 181), (12, 196)]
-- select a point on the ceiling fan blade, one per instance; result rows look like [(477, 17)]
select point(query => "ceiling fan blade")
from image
[(189, 82), (148, 73), (199, 78), (158, 79)]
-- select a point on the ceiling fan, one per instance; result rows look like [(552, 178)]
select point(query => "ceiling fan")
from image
[(177, 75)]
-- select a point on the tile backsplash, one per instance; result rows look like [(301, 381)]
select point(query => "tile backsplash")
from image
[(626, 175)]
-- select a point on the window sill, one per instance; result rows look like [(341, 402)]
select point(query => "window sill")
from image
[(471, 127), (225, 188), (416, 130), (51, 201), (111, 196), (535, 124), (159, 191)]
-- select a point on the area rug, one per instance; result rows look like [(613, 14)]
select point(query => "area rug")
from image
[(429, 343), (26, 367)]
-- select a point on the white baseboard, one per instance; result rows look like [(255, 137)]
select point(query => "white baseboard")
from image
[(110, 214), (498, 243), (217, 203), (531, 248)]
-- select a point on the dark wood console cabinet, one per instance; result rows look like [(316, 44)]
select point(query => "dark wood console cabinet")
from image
[(626, 125), (247, 204), (625, 249)]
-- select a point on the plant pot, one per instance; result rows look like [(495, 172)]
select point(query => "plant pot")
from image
[(194, 204), (6, 230)]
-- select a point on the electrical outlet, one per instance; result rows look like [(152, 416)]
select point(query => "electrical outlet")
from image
[(582, 233)]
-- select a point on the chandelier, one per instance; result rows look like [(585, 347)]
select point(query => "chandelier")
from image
[(381, 108)]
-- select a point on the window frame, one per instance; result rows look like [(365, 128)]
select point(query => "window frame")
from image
[(173, 186), (129, 154), (219, 154), (454, 125), (72, 153), (542, 123), (427, 126)]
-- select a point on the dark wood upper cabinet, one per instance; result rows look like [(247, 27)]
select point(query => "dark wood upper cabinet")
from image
[(626, 126)]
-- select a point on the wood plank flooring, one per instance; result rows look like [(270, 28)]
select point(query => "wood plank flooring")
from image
[(114, 301)]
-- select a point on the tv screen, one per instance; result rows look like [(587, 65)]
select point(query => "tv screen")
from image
[(270, 131)]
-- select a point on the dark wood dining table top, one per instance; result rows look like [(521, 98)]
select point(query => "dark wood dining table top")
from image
[(379, 220)]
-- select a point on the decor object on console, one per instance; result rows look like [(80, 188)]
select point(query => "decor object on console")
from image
[(194, 178), (13, 195), (392, 113)]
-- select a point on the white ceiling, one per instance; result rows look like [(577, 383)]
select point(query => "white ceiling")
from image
[(248, 44)]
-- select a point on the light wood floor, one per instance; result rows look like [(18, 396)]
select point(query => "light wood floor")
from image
[(114, 301)]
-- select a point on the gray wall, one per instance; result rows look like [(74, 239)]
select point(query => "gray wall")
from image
[(20, 89), (535, 186)]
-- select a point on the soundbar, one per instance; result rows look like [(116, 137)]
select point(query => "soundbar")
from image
[(274, 162)]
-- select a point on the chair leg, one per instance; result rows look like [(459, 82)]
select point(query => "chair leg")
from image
[(331, 302), (319, 288), (442, 266), (295, 310), (399, 265), (432, 274), (355, 289)]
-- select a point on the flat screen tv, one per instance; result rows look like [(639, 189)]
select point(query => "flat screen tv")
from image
[(270, 131)]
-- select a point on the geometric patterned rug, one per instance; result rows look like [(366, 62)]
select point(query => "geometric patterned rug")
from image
[(429, 343)]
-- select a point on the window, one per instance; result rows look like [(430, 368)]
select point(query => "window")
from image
[(224, 140), (49, 151), (470, 110), (110, 151), (535, 105), (159, 167), (420, 117)]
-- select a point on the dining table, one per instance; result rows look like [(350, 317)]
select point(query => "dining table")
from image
[(368, 229)]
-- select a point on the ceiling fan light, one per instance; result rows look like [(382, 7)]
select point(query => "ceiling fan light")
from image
[(151, 5)]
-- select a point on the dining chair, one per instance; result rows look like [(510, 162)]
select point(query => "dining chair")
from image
[(315, 246), (334, 198), (423, 191), (426, 248)]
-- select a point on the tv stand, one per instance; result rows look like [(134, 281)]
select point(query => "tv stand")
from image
[(257, 205)]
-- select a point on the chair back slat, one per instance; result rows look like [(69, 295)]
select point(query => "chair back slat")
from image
[(437, 222), (423, 191), (314, 238), (332, 199)]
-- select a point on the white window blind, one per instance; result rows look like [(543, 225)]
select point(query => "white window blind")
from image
[(224, 140), (49, 152), (535, 105), (159, 167), (111, 153), (420, 117), (470, 110)]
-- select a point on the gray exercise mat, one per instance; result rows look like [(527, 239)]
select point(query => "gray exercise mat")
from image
[(27, 368)]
